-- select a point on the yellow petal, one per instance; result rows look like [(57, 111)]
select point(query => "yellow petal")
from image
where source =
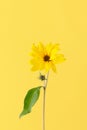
[(59, 58), (34, 61), (39, 49), (49, 48), (35, 48), (34, 68), (41, 65), (41, 46), (52, 48), (47, 66), (38, 64), (36, 55), (53, 67)]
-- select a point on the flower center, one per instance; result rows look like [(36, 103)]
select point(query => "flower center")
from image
[(46, 58)]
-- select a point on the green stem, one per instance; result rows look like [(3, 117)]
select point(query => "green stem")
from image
[(44, 96), (44, 99)]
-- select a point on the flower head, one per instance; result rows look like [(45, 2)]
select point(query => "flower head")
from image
[(45, 57)]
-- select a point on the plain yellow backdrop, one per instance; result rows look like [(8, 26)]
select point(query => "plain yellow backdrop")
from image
[(23, 23)]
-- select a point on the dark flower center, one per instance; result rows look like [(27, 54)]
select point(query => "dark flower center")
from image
[(46, 58)]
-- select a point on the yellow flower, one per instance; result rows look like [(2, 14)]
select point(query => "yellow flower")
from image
[(45, 57)]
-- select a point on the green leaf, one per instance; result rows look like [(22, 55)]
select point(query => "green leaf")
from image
[(30, 99)]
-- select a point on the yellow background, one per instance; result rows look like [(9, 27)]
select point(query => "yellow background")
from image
[(23, 23)]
